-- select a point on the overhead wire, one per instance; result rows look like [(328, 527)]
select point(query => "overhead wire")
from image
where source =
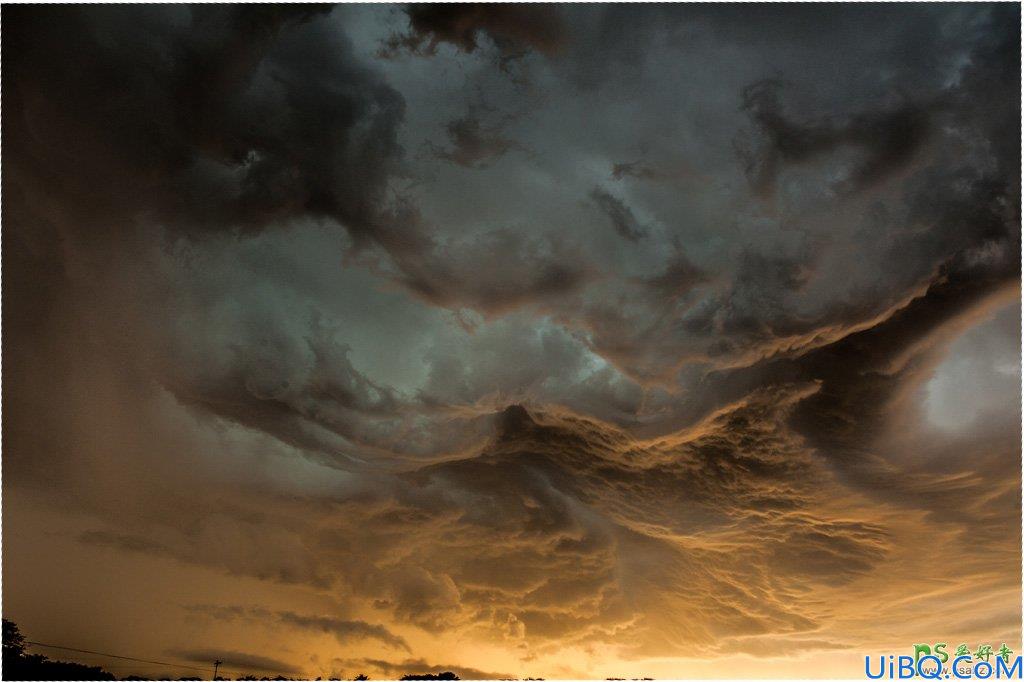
[(208, 669)]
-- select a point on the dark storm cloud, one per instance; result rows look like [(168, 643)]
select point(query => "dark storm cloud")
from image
[(635, 169), (234, 659), (497, 271), (888, 139), (512, 28), (866, 372), (675, 172), (239, 143), (861, 380), (954, 204), (230, 135), (621, 216), (677, 279), (201, 120), (223, 127), (619, 39), (344, 630), (227, 130), (473, 144), (297, 384)]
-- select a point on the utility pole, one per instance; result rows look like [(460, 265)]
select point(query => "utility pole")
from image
[(216, 664)]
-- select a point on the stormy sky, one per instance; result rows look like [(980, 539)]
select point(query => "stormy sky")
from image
[(513, 340)]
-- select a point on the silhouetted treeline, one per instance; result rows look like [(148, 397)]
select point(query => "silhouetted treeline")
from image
[(431, 676), (19, 665)]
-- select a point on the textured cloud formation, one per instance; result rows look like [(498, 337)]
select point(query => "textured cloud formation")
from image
[(620, 215), (511, 28), (472, 144), (235, 659), (343, 630), (887, 139), (556, 341)]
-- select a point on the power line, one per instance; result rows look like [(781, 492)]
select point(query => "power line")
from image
[(126, 658)]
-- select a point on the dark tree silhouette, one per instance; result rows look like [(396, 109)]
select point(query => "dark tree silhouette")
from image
[(431, 676), (19, 665)]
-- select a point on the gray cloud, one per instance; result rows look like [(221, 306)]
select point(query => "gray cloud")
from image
[(473, 144), (889, 139), (622, 218)]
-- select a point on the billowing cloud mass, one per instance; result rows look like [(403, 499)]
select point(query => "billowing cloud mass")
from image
[(534, 340), (511, 28)]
